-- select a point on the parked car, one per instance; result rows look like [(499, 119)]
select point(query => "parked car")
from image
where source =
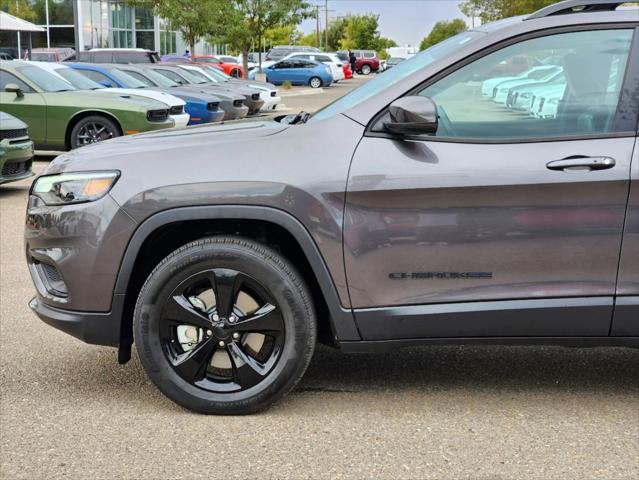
[(202, 108), (118, 55), (5, 56), (268, 92), (546, 104), (175, 58), (299, 72), (240, 104), (175, 105), (278, 52), (500, 92), (51, 54), (343, 56), (232, 68), (488, 86), (392, 62), (408, 212), (366, 61), (521, 97), (61, 118), (332, 61), (16, 149)]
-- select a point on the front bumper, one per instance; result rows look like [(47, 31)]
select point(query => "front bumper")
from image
[(15, 159), (90, 327), (181, 120), (270, 103)]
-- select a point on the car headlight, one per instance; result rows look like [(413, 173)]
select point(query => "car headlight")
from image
[(66, 188)]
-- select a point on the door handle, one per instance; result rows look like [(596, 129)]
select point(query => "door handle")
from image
[(582, 163)]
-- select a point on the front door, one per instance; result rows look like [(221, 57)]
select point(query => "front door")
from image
[(30, 107), (519, 214)]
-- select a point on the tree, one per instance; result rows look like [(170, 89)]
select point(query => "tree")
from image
[(282, 35), (443, 30), (310, 39), (192, 18), (243, 23), (491, 10), (336, 32), (20, 8), (361, 32)]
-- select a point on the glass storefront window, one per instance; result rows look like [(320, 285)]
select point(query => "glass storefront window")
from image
[(61, 12)]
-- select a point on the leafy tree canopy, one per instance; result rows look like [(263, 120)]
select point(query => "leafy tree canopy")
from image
[(443, 30), (491, 10)]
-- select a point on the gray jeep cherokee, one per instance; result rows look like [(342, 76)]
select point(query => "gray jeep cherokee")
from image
[(434, 215)]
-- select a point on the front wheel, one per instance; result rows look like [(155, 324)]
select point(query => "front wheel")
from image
[(93, 129), (366, 69), (315, 82), (235, 73), (225, 325)]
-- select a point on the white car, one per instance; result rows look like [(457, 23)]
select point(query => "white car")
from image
[(330, 59), (268, 92), (79, 81), (488, 86)]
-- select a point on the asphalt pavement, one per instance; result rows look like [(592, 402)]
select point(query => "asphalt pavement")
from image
[(68, 410)]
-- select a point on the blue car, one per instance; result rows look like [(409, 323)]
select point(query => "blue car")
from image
[(203, 108), (299, 72)]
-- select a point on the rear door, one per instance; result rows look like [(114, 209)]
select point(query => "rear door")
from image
[(502, 224)]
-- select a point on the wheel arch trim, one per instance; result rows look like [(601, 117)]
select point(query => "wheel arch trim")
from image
[(342, 320), (79, 115)]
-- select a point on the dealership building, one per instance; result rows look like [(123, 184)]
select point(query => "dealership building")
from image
[(86, 24)]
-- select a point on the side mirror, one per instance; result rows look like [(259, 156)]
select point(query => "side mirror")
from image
[(13, 88), (413, 115), (105, 83)]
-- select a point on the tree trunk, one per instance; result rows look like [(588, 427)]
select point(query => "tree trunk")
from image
[(245, 52)]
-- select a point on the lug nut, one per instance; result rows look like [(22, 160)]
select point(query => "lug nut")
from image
[(232, 319), (209, 333), (216, 318), (222, 344), (236, 336)]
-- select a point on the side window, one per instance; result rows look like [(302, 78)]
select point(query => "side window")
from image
[(283, 65), (130, 57), (565, 84), (101, 78), (322, 58), (7, 78)]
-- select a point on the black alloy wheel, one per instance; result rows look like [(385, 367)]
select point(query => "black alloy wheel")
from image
[(93, 129), (224, 325)]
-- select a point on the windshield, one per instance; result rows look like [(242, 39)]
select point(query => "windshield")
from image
[(45, 80), (199, 75), (160, 79), (215, 73), (396, 74), (78, 80), (126, 79), (190, 78)]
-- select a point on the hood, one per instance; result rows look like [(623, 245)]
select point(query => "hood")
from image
[(170, 100), (169, 144), (9, 122), (189, 95), (98, 99)]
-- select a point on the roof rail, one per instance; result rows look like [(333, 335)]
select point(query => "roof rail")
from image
[(575, 6)]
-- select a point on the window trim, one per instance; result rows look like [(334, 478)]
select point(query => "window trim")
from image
[(634, 49), (24, 80)]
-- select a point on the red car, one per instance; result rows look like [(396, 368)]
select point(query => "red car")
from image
[(230, 68), (366, 61)]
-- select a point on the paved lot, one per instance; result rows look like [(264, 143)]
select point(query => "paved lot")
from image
[(67, 410)]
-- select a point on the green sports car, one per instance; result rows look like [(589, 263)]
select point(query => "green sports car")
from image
[(61, 118), (16, 149)]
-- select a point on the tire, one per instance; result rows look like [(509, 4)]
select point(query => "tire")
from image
[(215, 369), (93, 129), (366, 69), (235, 73), (315, 82)]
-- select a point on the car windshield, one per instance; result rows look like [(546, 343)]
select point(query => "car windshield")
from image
[(215, 73), (78, 80), (45, 80), (126, 79), (160, 79), (396, 74), (199, 75), (191, 78)]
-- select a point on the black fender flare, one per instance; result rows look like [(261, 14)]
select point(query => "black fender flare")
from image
[(342, 319)]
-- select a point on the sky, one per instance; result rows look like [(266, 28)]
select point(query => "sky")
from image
[(405, 21)]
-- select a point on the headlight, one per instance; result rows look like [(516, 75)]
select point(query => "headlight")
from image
[(67, 188)]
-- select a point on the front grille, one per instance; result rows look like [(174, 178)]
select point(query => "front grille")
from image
[(157, 115), (237, 103), (16, 168), (273, 93), (255, 96), (52, 279), (17, 133), (212, 106), (177, 110)]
